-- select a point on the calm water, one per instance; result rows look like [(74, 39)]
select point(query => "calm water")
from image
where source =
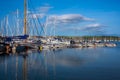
[(62, 64)]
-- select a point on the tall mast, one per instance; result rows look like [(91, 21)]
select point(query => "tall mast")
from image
[(1, 28), (17, 22), (25, 17), (54, 26), (7, 25)]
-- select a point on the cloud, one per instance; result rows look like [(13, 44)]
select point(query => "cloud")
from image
[(87, 27), (91, 29), (40, 15), (44, 8), (39, 12), (68, 18), (94, 25), (94, 28)]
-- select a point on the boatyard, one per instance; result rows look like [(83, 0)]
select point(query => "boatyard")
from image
[(48, 43)]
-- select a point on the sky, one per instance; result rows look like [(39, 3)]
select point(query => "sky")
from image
[(70, 17)]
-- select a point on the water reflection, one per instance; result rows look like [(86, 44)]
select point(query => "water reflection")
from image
[(48, 65), (9, 66), (65, 61), (37, 64), (16, 68), (24, 67)]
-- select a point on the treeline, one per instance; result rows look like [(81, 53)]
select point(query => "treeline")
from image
[(91, 37)]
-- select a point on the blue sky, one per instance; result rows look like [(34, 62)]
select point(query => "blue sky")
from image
[(71, 17)]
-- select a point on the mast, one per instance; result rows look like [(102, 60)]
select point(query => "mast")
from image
[(54, 26), (7, 25), (17, 22), (1, 28), (25, 17), (45, 26)]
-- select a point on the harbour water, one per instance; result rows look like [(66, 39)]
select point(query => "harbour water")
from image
[(62, 64)]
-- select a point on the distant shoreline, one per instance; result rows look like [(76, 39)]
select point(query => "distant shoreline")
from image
[(111, 38)]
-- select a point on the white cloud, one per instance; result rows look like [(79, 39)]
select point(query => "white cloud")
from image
[(44, 8), (39, 12), (40, 15), (69, 18), (94, 28), (94, 25)]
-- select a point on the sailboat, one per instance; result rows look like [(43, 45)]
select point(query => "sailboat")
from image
[(20, 37)]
